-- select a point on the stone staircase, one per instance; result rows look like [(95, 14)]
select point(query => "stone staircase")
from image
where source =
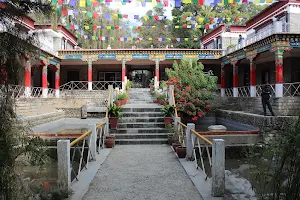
[(142, 121)]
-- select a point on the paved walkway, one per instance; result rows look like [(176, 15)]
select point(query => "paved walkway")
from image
[(142, 172)]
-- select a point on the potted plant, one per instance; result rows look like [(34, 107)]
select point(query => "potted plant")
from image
[(151, 83), (161, 98), (168, 111), (129, 84), (114, 112), (163, 85), (181, 151), (109, 141)]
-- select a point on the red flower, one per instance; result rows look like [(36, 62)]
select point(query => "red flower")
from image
[(195, 118), (182, 99), (188, 88)]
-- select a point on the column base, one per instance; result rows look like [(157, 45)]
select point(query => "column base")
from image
[(125, 81), (90, 86), (27, 92), (235, 92), (45, 92), (57, 93), (252, 91), (123, 85), (156, 83), (279, 90), (222, 92)]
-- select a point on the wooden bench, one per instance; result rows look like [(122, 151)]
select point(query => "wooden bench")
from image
[(91, 109)]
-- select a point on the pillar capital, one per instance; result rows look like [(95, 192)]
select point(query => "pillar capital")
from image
[(89, 58), (279, 50), (45, 62)]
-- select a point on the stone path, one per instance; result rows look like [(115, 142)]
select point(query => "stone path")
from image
[(138, 172)]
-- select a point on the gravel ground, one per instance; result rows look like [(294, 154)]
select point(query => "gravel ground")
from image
[(141, 172)]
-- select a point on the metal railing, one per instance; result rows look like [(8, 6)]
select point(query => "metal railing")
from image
[(291, 89), (82, 149), (229, 92), (259, 90), (202, 148), (19, 91), (96, 85), (244, 91)]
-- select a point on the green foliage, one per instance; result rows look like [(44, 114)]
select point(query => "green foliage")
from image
[(193, 87), (277, 173), (114, 110), (129, 84), (122, 96), (168, 110), (163, 84), (161, 96)]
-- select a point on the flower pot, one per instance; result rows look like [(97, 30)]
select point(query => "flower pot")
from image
[(155, 101), (181, 151), (126, 100), (109, 141), (168, 120), (118, 103), (113, 121), (174, 145)]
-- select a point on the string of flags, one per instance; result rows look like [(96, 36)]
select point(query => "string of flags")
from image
[(130, 39), (107, 16), (138, 28), (157, 3)]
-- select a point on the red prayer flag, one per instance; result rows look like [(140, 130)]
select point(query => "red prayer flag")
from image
[(125, 16), (95, 15), (185, 26), (64, 12), (94, 28), (117, 27), (95, 3), (72, 27), (60, 2), (200, 2), (156, 18), (166, 3)]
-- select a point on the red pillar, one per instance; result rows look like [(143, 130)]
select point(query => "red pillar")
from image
[(279, 65), (57, 77), (252, 73), (123, 72), (27, 75), (235, 79), (44, 74), (90, 71), (157, 70)]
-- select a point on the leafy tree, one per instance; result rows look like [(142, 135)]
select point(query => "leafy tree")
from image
[(193, 87), (15, 42), (160, 30)]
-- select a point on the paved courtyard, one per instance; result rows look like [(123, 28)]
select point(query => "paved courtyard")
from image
[(142, 172)]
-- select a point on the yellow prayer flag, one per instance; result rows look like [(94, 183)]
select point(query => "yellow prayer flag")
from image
[(82, 3), (169, 39), (86, 27), (186, 1), (201, 19), (186, 39), (93, 37), (150, 39), (153, 26), (176, 26), (146, 18), (153, 3), (108, 27)]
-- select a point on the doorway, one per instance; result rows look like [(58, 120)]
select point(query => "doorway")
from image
[(141, 78), (72, 76)]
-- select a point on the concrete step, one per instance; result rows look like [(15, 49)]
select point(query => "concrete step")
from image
[(141, 110), (141, 141), (138, 130), (141, 119), (141, 125), (144, 114), (140, 136)]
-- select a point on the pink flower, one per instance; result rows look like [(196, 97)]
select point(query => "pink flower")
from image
[(195, 118), (188, 88)]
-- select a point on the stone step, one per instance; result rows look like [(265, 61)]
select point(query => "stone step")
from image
[(141, 110), (139, 130), (141, 141), (141, 125), (141, 119), (144, 114), (140, 136)]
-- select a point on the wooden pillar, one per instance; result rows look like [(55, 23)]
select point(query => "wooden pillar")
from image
[(90, 74), (27, 77), (252, 78), (235, 79), (45, 64)]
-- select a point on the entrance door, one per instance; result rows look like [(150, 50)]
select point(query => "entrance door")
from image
[(265, 76), (72, 76), (110, 76)]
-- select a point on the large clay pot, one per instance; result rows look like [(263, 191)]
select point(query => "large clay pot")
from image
[(110, 141), (181, 151), (168, 120), (155, 101), (113, 122), (118, 103), (174, 145)]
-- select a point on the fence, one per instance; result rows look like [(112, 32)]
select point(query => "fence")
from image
[(19, 91), (198, 150), (96, 85)]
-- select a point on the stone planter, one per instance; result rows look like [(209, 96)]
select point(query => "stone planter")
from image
[(113, 122), (181, 151)]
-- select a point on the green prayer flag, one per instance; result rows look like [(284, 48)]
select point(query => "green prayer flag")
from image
[(120, 16), (226, 2), (54, 2), (159, 5), (150, 17), (58, 11), (88, 2), (195, 1), (68, 27), (90, 14)]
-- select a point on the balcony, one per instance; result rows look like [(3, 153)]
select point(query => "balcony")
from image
[(277, 27)]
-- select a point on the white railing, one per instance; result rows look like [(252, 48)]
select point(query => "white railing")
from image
[(229, 92), (19, 91), (244, 91), (291, 89), (259, 90), (96, 85)]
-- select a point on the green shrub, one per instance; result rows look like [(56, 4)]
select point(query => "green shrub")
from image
[(161, 96), (163, 84), (122, 96)]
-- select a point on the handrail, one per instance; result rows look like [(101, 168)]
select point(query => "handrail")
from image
[(200, 136), (99, 125), (182, 124), (108, 103), (80, 138), (176, 115)]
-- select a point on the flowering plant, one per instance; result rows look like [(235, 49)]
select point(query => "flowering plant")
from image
[(192, 88)]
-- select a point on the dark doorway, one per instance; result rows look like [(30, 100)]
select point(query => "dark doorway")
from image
[(265, 76), (110, 76), (72, 76)]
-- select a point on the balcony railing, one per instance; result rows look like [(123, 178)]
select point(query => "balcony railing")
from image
[(96, 85), (19, 91)]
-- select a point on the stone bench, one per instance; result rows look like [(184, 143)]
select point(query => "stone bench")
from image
[(91, 109)]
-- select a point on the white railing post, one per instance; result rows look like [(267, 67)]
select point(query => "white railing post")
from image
[(63, 164), (106, 126), (111, 90), (279, 90), (218, 167), (171, 100), (189, 144), (93, 140), (176, 124)]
